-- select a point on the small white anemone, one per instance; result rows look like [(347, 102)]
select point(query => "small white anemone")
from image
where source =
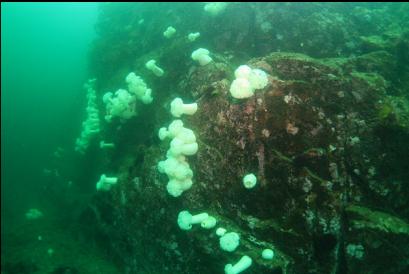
[(247, 81), (209, 222), (242, 71), (177, 108), (103, 145), (105, 183), (241, 88), (229, 241), (215, 8), (163, 133), (202, 56), (179, 147), (169, 32), (186, 220), (151, 65), (193, 36), (220, 231), (249, 181), (244, 263), (258, 79), (267, 254)]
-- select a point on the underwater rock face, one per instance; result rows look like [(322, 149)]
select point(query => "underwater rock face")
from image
[(326, 144), (309, 180), (307, 177)]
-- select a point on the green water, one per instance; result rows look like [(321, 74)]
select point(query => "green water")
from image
[(44, 65)]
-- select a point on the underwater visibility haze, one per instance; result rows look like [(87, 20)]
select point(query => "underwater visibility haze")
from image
[(205, 138)]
